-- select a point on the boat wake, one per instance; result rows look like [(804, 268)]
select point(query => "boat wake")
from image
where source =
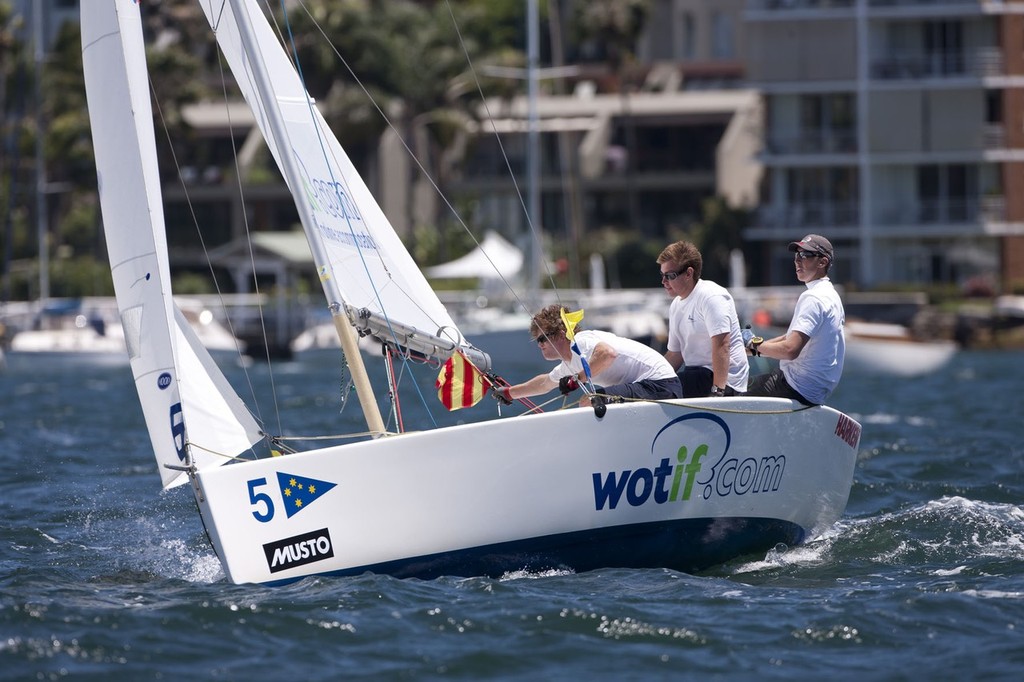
[(952, 538), (944, 533)]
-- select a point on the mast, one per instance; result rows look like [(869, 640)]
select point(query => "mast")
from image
[(533, 153), (41, 213), (339, 316)]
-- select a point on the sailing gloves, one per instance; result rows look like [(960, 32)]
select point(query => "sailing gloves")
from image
[(568, 384), (501, 394), (751, 342)]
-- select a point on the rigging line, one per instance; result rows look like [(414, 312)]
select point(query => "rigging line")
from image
[(348, 220), (461, 339), (202, 241), (295, 63), (529, 219), (234, 458), (411, 154), (672, 402), (248, 240), (252, 257), (339, 436)]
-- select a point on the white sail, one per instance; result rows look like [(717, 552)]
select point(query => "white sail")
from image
[(199, 408), (364, 262)]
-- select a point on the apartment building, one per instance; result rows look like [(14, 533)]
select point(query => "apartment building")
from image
[(895, 128), (639, 149)]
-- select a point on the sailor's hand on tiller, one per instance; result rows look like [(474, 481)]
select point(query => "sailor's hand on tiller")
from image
[(751, 342)]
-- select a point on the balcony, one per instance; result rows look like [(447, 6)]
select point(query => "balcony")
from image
[(762, 5), (993, 136), (916, 65), (947, 211), (919, 3), (809, 214), (814, 141)]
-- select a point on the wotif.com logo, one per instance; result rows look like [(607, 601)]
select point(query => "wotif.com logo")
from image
[(699, 465)]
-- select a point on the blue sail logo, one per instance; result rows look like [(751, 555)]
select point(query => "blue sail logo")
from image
[(298, 492)]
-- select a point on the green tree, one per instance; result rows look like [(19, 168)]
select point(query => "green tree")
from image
[(182, 60), (409, 56), (14, 164), (719, 232)]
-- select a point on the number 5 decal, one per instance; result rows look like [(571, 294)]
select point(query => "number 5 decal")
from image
[(255, 498)]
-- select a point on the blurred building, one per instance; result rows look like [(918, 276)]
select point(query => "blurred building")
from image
[(895, 128)]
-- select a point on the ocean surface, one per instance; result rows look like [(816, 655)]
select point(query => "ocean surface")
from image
[(103, 576)]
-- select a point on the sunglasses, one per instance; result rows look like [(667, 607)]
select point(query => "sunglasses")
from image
[(541, 339), (803, 255), (669, 276)]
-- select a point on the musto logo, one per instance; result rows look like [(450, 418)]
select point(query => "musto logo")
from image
[(299, 550), (695, 460)]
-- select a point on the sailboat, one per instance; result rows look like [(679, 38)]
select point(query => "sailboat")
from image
[(678, 484)]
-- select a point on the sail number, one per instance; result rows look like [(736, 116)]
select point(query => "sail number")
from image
[(178, 430), (257, 498)]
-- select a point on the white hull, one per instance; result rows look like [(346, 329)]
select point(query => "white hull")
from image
[(72, 341), (478, 500), (889, 349), (98, 337)]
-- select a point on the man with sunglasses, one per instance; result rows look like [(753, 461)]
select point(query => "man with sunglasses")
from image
[(619, 366), (812, 350), (704, 337)]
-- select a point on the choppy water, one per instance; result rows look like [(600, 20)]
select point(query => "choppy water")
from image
[(104, 577)]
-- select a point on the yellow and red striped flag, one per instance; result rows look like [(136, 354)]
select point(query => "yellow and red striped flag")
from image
[(460, 384)]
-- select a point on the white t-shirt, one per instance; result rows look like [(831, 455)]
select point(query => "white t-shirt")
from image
[(708, 311), (819, 314), (634, 362)]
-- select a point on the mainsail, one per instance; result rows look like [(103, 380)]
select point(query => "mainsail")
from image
[(178, 382), (360, 258)]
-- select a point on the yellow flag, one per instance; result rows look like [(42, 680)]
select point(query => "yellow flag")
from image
[(570, 320)]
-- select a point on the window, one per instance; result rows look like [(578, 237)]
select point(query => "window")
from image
[(688, 37), (723, 39)]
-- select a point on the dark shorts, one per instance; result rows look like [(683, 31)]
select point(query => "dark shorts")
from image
[(647, 389), (696, 381), (774, 385)]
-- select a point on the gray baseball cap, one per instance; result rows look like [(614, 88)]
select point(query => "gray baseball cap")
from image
[(815, 243)]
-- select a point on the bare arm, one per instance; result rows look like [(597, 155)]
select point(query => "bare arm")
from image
[(786, 347), (720, 359), (675, 358), (538, 385)]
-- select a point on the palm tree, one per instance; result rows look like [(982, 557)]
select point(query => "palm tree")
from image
[(410, 59), (12, 69)]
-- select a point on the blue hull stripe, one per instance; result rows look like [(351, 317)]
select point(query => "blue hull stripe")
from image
[(688, 545)]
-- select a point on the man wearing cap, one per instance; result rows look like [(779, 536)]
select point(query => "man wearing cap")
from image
[(812, 350)]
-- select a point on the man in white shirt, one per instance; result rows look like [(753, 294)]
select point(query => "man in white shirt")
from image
[(704, 337), (619, 366), (812, 350)]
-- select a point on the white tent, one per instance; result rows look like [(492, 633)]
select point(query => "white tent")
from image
[(493, 257)]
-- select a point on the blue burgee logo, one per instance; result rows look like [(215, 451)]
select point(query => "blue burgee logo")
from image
[(299, 492)]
